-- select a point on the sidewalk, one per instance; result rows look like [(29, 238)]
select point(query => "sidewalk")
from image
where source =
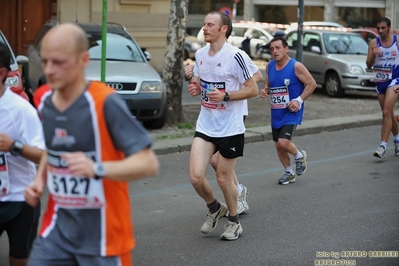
[(256, 134)]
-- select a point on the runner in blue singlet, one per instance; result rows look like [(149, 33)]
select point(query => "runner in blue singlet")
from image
[(383, 57)]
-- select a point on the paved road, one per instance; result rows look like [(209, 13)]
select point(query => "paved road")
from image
[(346, 201)]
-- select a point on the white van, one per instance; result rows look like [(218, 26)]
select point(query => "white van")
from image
[(258, 36)]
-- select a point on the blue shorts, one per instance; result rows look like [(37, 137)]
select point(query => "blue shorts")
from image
[(382, 87)]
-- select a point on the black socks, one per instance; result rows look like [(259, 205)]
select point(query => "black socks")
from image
[(233, 218), (214, 206)]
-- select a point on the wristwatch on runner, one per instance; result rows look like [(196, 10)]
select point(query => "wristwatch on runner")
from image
[(16, 148), (99, 170), (226, 97)]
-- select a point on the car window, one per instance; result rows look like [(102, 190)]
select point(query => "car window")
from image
[(238, 31), (292, 40), (2, 40), (309, 40), (257, 34), (345, 44), (119, 48)]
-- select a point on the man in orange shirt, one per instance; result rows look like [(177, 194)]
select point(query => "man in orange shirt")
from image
[(90, 156)]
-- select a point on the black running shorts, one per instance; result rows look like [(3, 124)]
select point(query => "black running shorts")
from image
[(22, 230), (229, 147), (284, 132)]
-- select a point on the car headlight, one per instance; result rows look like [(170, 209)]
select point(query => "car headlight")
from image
[(12, 81), (355, 69), (151, 86)]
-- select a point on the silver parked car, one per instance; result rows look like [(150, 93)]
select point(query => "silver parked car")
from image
[(336, 59), (127, 70)]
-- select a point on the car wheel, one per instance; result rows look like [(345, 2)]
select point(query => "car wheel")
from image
[(333, 85)]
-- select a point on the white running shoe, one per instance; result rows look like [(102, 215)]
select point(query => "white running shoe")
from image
[(212, 219), (301, 164), (242, 204), (380, 152), (232, 231), (242, 200), (396, 143)]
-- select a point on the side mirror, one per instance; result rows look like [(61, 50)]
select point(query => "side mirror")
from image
[(24, 69), (21, 59), (315, 49), (146, 54)]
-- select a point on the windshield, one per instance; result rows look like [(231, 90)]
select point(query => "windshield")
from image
[(345, 44), (119, 48), (11, 54)]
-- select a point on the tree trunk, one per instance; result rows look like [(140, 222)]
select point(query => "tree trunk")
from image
[(172, 71)]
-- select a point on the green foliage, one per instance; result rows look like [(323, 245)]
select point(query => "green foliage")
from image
[(187, 125)]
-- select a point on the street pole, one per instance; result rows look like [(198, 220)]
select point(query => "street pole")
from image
[(299, 48), (234, 11), (233, 16), (104, 40)]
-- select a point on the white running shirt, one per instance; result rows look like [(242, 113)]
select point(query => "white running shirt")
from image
[(20, 121), (226, 71)]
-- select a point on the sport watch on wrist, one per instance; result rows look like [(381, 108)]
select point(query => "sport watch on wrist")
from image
[(226, 97), (16, 148), (99, 170)]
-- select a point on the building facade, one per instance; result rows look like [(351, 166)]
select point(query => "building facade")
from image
[(357, 13), (349, 13), (146, 20)]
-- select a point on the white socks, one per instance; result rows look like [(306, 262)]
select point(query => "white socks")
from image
[(298, 155), (239, 188)]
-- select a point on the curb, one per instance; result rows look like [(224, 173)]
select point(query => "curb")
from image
[(263, 133)]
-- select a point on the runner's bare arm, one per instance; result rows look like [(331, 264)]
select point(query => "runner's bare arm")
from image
[(258, 76), (250, 90), (34, 191), (136, 166), (264, 92), (194, 86), (306, 78), (28, 152), (372, 53), (139, 165), (193, 81), (33, 154)]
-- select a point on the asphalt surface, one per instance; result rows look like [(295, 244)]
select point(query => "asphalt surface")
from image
[(346, 201)]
